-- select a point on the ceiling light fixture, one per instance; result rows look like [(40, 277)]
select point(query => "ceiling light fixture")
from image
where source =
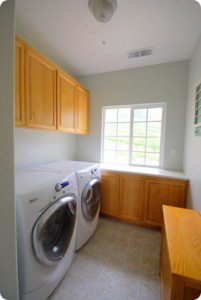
[(199, 1), (102, 10)]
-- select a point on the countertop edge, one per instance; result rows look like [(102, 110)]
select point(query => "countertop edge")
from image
[(145, 171)]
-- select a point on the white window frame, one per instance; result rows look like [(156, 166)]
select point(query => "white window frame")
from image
[(162, 105)]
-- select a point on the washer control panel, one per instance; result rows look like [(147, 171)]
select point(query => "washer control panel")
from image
[(60, 186), (67, 185)]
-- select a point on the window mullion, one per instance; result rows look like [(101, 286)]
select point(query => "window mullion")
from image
[(145, 157), (117, 125), (103, 137), (131, 135)]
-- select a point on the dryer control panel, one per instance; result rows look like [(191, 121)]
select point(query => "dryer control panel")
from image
[(95, 172)]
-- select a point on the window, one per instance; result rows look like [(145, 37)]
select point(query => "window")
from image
[(133, 135), (197, 119)]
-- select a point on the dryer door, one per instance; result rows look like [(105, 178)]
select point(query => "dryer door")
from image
[(90, 198), (53, 230)]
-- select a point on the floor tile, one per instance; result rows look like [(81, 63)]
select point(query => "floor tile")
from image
[(120, 261)]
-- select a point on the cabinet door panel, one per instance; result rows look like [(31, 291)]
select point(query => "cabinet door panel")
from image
[(131, 202), (19, 83), (40, 91), (66, 95), (110, 194), (163, 192), (82, 111)]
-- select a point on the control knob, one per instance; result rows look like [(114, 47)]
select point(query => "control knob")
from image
[(58, 187)]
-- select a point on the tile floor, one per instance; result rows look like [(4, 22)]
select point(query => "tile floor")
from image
[(120, 262)]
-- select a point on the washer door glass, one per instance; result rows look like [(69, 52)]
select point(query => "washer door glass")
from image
[(90, 199), (53, 231)]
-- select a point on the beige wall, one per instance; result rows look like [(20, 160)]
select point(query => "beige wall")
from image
[(192, 156), (159, 83), (33, 147), (8, 253)]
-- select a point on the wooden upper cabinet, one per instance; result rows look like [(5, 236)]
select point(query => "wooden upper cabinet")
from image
[(131, 197), (163, 191), (45, 96), (82, 110), (19, 83), (40, 91), (66, 97)]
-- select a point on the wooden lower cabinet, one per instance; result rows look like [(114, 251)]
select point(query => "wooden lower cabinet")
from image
[(139, 198), (131, 200), (110, 194), (162, 191)]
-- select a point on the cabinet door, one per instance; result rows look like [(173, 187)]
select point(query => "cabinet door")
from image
[(110, 193), (160, 192), (40, 91), (19, 83), (131, 198), (82, 110), (66, 96)]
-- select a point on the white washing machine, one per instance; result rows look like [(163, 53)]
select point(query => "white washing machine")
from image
[(46, 204), (89, 187), (88, 176)]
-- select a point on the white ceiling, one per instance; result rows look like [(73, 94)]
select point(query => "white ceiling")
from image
[(67, 31)]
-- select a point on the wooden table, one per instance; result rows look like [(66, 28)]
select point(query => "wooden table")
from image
[(181, 254)]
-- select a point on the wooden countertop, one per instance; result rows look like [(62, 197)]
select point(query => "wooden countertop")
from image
[(183, 232)]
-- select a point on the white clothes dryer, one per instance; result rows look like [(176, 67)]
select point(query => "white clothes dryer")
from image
[(46, 204), (88, 175)]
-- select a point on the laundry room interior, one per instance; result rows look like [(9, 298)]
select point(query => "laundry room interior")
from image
[(77, 89)]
